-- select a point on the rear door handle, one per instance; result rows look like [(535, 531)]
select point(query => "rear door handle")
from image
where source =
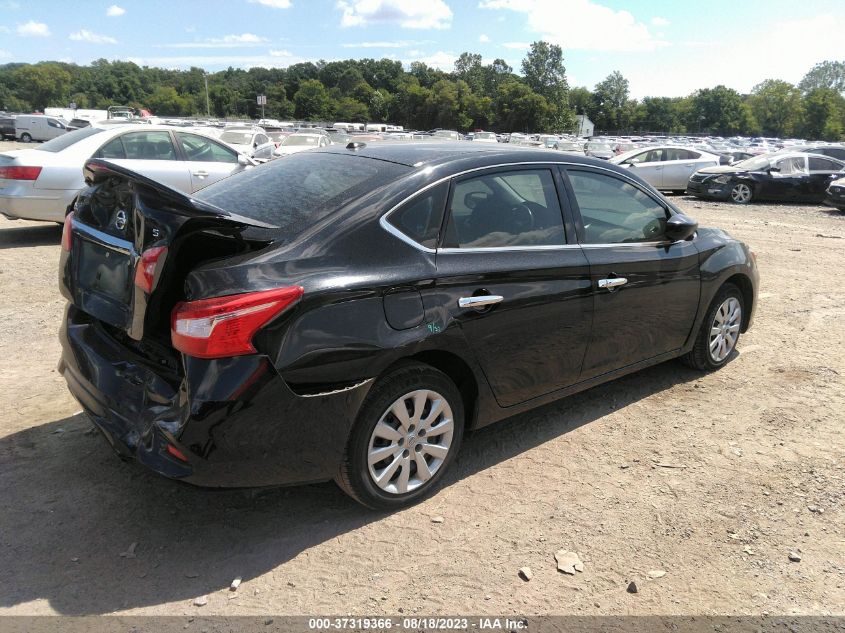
[(479, 301), (612, 283), (200, 174)]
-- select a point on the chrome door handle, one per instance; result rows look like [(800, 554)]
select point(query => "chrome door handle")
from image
[(480, 301), (200, 174), (612, 283)]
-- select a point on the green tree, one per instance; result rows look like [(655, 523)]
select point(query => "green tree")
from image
[(777, 107), (824, 111), (42, 85), (380, 105), (468, 68), (545, 74), (609, 99), (348, 109), (718, 110), (165, 101), (312, 101), (518, 108), (827, 74)]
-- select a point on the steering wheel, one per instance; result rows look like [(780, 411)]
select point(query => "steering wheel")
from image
[(522, 218)]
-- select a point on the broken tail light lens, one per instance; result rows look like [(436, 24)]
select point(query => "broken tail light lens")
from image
[(146, 269), (224, 326), (67, 232)]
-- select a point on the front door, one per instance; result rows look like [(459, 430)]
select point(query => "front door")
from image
[(646, 289), (519, 291), (207, 161)]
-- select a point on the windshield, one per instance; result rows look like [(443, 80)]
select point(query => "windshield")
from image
[(753, 164), (237, 138), (301, 190), (66, 140), (301, 139)]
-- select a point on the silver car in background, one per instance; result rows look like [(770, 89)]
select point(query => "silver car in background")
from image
[(666, 167), (41, 183), (253, 142)]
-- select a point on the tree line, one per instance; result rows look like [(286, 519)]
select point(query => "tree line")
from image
[(474, 95)]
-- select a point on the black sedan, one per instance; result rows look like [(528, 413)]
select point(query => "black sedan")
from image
[(791, 177), (349, 313), (835, 194)]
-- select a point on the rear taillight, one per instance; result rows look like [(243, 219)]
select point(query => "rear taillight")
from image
[(224, 326), (67, 232), (15, 172), (145, 271)]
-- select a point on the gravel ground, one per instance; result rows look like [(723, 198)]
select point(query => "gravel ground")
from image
[(757, 474)]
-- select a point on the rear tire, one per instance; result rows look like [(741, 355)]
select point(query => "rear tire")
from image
[(403, 460), (26, 138), (718, 336)]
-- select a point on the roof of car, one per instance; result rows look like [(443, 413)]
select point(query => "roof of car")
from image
[(428, 153)]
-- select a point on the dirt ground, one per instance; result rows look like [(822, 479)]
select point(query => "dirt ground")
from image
[(758, 473)]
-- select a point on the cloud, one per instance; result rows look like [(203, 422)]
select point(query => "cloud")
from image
[(114, 11), (274, 4), (244, 40), (584, 19), (92, 38), (658, 21), (33, 29), (397, 44), (443, 60), (409, 14), (483, 38)]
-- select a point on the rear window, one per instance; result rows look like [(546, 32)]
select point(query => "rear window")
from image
[(296, 192), (66, 140)]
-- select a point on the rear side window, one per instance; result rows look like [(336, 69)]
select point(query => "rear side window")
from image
[(66, 140), (517, 208), (420, 218), (201, 149), (824, 164), (296, 192), (614, 211)]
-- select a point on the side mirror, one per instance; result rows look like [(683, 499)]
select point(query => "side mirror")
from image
[(244, 161), (773, 169), (680, 227)]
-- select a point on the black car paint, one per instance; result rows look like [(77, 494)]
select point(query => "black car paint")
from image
[(765, 185), (835, 194), (283, 415)]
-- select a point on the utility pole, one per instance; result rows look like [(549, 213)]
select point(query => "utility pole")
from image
[(207, 108)]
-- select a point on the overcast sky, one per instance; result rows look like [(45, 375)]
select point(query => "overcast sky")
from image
[(663, 47)]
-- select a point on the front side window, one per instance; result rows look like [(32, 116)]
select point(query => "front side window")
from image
[(791, 166), (614, 211), (420, 219), (140, 146), (516, 208), (201, 149)]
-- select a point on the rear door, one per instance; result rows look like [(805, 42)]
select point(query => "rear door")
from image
[(646, 288), (151, 153), (207, 160), (823, 171), (678, 165), (507, 274)]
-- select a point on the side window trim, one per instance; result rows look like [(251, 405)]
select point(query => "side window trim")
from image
[(494, 169), (576, 210)]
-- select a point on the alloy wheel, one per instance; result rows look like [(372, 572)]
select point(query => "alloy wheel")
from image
[(410, 441), (741, 193), (724, 330)]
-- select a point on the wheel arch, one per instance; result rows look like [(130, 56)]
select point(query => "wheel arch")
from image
[(458, 371), (747, 290)]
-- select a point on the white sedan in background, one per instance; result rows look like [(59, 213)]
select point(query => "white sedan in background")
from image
[(666, 167), (301, 141), (41, 183), (252, 142)]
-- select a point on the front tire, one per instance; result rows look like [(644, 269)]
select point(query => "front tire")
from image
[(741, 193), (26, 138), (719, 333), (404, 439)]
